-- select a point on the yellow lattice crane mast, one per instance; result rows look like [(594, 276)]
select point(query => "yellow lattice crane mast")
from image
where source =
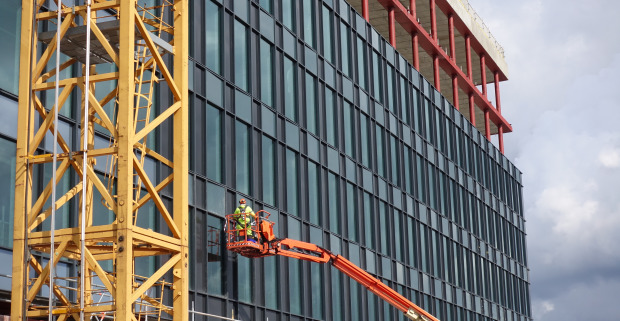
[(119, 69)]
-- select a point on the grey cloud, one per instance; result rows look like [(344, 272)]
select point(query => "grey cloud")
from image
[(563, 101)]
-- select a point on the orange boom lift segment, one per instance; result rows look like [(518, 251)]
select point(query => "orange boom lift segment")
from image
[(265, 244)]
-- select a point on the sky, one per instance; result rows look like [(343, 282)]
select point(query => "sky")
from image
[(563, 101)]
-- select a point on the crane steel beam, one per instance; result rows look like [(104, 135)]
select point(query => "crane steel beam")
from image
[(117, 73)]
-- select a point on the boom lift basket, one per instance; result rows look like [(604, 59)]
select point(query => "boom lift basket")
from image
[(248, 234)]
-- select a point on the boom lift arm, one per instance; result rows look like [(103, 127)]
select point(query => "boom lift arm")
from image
[(240, 240)]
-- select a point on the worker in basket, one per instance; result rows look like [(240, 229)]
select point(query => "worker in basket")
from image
[(244, 217)]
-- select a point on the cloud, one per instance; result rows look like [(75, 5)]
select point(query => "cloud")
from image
[(562, 100), (541, 308), (610, 158)]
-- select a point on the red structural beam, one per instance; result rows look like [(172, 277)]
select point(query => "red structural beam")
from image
[(451, 33), (455, 91), (472, 109), (416, 54), (392, 27), (500, 135), (483, 75), (470, 73), (432, 47), (498, 104)]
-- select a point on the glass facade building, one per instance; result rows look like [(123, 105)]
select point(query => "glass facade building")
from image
[(306, 111)]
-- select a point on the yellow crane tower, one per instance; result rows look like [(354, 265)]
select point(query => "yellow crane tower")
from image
[(124, 62)]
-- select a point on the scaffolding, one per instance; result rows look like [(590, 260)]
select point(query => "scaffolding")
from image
[(124, 63)]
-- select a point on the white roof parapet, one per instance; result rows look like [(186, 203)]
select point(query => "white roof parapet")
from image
[(480, 31)]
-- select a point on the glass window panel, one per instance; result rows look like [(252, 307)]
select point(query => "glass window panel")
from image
[(384, 228), (269, 121), (214, 143), (407, 165), (288, 14), (9, 51), (336, 291), (421, 186), (267, 26), (327, 34), (362, 63), (352, 212), (313, 147), (349, 129), (7, 191), (8, 109), (369, 221), (377, 76), (213, 36), (372, 305), (344, 49), (310, 60), (201, 239), (390, 89), (243, 157), (355, 300), (380, 151), (404, 106), (398, 235), (314, 196), (241, 55), (244, 279), (269, 171), (395, 161), (331, 118), (292, 135), (316, 274), (295, 284), (216, 89), (411, 247), (291, 182), (308, 14), (333, 160), (272, 279), (311, 114), (243, 106), (266, 4), (241, 9), (365, 138), (334, 195), (215, 199), (216, 265), (266, 74), (290, 90)]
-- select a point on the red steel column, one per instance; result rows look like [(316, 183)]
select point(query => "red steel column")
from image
[(498, 104), (500, 135), (412, 10), (487, 124), (433, 21), (416, 54), (451, 32), (392, 27), (455, 91), (365, 12), (470, 73), (483, 75), (436, 71), (472, 111)]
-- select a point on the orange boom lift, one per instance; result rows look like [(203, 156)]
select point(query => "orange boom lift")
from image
[(264, 243)]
